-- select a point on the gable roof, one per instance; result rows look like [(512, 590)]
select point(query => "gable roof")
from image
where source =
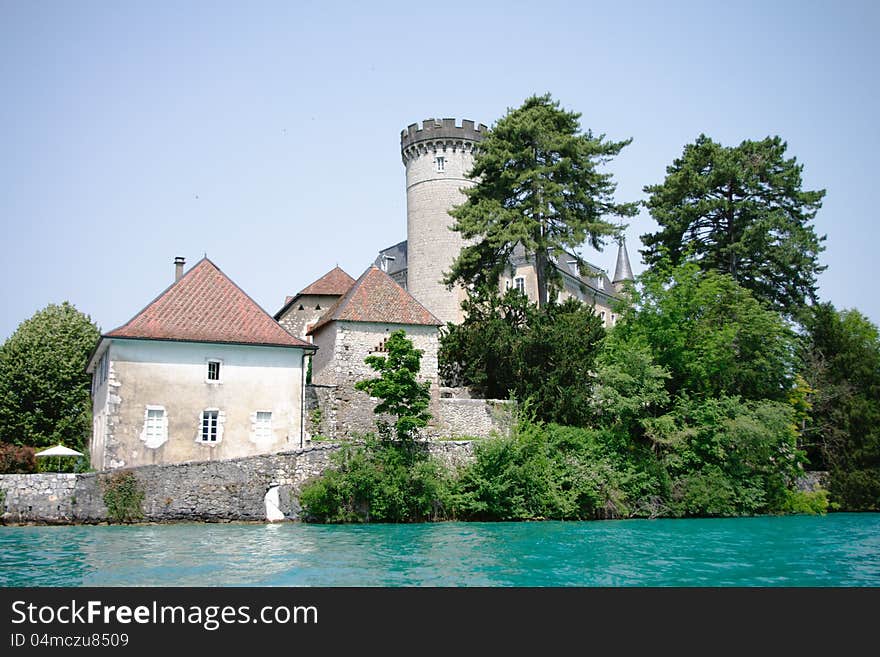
[(334, 283), (206, 306), (375, 297)]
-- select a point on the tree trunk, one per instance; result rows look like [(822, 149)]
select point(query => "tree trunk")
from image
[(541, 274)]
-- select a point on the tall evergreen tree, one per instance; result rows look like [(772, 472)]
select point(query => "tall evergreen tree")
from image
[(538, 184), (740, 211)]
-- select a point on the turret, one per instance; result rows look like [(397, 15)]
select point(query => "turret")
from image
[(437, 156), (623, 271)]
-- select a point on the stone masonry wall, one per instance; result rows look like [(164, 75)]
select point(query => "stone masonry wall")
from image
[(48, 497), (475, 418), (208, 491), (343, 347)]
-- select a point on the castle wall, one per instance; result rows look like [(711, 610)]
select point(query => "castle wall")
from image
[(297, 322), (214, 491), (339, 362), (431, 191), (600, 302)]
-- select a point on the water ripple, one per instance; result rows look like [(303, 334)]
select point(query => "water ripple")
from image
[(834, 550)]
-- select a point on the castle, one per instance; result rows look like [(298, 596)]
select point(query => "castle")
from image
[(203, 373), (437, 156)]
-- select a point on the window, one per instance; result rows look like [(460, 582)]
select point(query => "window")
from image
[(317, 306), (155, 426), (210, 426), (300, 307), (520, 285), (602, 315), (214, 369), (263, 425), (440, 161)]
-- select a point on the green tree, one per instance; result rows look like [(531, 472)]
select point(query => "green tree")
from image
[(44, 388), (397, 386), (508, 346), (538, 185), (841, 354), (725, 456), (711, 335), (741, 211)]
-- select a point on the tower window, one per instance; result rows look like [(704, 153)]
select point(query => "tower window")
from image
[(520, 284), (440, 161)]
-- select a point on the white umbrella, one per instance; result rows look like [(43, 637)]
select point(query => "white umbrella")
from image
[(59, 450)]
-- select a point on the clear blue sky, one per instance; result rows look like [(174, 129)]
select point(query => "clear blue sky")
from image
[(267, 134)]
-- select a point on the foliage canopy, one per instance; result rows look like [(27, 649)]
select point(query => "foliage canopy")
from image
[(44, 387), (538, 185), (741, 211)]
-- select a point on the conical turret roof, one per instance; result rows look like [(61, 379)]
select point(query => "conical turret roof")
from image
[(623, 271)]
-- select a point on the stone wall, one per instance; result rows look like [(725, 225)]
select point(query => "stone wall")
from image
[(207, 491), (342, 348), (47, 497), (475, 418)]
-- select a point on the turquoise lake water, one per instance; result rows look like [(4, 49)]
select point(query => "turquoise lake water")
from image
[(833, 550)]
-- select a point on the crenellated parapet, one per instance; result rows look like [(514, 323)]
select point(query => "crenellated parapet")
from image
[(438, 135)]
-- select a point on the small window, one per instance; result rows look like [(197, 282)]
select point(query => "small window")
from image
[(214, 370), (263, 425), (210, 422), (440, 161), (318, 306), (520, 284), (602, 316), (300, 307)]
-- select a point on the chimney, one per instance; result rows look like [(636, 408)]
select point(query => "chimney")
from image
[(179, 261)]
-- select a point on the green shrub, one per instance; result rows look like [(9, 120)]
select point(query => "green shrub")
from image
[(381, 481), (855, 490), (123, 497), (813, 502), (558, 472)]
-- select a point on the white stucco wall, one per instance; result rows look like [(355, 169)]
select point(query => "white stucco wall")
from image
[(173, 376)]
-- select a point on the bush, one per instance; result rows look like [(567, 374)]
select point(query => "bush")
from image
[(557, 472), (123, 497), (17, 460), (382, 481), (813, 502)]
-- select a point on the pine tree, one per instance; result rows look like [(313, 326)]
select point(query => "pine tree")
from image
[(538, 185), (740, 211)]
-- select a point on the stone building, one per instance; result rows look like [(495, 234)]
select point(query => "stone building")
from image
[(437, 156), (202, 373), (357, 326), (303, 310)]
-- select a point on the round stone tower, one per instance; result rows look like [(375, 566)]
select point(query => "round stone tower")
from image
[(436, 156)]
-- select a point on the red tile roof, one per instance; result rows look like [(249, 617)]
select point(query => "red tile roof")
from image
[(334, 282), (375, 297), (206, 306)]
